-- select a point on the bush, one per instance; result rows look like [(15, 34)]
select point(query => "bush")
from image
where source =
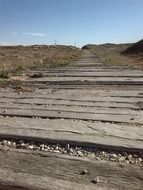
[(4, 75)]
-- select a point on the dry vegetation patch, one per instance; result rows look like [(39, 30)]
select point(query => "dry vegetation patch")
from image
[(113, 54), (14, 60)]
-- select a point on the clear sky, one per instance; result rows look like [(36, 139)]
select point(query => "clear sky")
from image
[(70, 21)]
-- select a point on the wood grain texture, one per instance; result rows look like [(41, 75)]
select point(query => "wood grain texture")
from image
[(105, 135), (46, 171)]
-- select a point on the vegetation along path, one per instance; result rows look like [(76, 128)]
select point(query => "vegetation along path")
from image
[(75, 127)]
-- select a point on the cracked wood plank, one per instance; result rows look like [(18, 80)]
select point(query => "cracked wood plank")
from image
[(105, 135), (81, 109)]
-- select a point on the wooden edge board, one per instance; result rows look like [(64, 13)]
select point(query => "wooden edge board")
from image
[(34, 171)]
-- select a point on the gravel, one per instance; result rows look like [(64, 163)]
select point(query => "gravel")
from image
[(91, 153)]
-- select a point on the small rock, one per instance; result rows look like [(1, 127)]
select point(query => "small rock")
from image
[(13, 144), (76, 148), (140, 159), (22, 144), (42, 147), (129, 157), (51, 148), (31, 147), (71, 150), (127, 162), (45, 146), (84, 172), (37, 148), (56, 151), (60, 149), (113, 156), (96, 180), (103, 153), (92, 156), (57, 148), (135, 156), (80, 153), (122, 159), (136, 161), (67, 147), (4, 142), (71, 154), (85, 153), (131, 162), (8, 143)]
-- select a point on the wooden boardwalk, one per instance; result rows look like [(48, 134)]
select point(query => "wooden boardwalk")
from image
[(84, 104)]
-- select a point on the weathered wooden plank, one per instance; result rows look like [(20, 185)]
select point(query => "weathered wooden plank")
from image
[(127, 118), (110, 136), (72, 94), (95, 69), (86, 82), (46, 171), (91, 74), (10, 180), (72, 99), (77, 103), (133, 103), (88, 87), (7, 93), (77, 109), (87, 79), (79, 86), (83, 84)]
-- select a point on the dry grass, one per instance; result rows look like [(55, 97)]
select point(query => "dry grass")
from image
[(112, 54), (14, 60)]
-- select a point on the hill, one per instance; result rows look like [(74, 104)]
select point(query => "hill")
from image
[(126, 54), (136, 48)]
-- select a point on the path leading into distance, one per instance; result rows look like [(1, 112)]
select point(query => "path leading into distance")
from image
[(84, 104)]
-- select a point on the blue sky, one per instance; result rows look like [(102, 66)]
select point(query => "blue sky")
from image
[(70, 21)]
